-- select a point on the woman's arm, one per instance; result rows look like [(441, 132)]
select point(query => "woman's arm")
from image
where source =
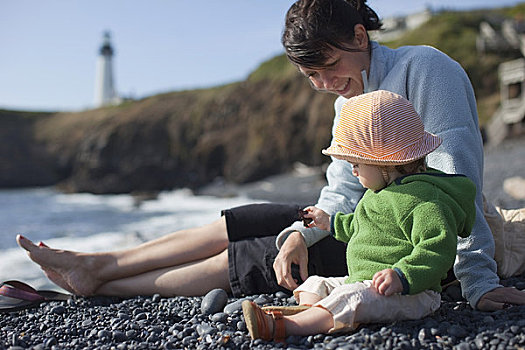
[(442, 93)]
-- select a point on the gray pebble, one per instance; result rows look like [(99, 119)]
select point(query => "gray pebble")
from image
[(221, 317), (59, 310), (423, 334), (520, 285), (488, 319), (214, 301), (49, 342), (262, 300), (131, 333), (234, 307), (141, 316), (457, 331), (103, 334), (462, 346), (119, 336), (281, 295), (241, 326), (480, 343), (205, 329), (123, 316)]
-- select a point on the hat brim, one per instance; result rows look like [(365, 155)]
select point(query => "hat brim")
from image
[(428, 143)]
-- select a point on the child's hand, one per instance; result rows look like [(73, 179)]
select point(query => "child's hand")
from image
[(319, 217), (387, 282)]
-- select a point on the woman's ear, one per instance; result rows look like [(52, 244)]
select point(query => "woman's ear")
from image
[(361, 37)]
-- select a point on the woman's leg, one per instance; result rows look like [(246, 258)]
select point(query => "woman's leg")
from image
[(84, 273), (191, 279)]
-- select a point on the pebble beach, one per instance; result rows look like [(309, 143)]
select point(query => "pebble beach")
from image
[(189, 323), (215, 321)]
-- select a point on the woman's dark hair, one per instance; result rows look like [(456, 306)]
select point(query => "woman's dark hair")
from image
[(313, 27)]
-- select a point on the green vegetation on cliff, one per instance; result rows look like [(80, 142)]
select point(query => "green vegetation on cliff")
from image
[(455, 34)]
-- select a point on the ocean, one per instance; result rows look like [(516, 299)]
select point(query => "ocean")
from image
[(87, 222)]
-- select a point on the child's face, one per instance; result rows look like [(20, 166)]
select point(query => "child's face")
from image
[(369, 176)]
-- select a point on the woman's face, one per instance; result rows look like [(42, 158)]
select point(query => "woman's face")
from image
[(341, 75)]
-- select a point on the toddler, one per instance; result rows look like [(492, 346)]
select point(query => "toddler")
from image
[(401, 239)]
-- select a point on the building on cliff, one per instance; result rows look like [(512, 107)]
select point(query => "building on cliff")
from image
[(105, 91), (395, 27), (509, 119)]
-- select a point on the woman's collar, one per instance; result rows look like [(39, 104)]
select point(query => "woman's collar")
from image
[(377, 66)]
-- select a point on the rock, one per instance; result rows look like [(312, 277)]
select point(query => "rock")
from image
[(234, 307), (119, 336), (49, 342), (520, 285), (103, 333), (454, 292), (457, 331), (214, 301), (515, 187), (59, 310), (281, 295), (204, 329), (261, 300), (488, 319), (220, 317)]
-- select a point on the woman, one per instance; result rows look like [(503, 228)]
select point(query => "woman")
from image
[(328, 41)]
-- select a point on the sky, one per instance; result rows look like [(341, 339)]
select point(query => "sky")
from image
[(49, 49)]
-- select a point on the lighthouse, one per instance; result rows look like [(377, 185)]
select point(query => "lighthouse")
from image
[(105, 93)]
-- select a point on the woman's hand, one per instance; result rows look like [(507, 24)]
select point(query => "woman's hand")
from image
[(320, 218), (387, 282), (293, 251), (501, 298)]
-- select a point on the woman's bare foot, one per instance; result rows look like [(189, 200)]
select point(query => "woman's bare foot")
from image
[(52, 275), (57, 279), (75, 272)]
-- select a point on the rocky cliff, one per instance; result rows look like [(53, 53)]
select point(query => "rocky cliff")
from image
[(241, 132), (23, 160)]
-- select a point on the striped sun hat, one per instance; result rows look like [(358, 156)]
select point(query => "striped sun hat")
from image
[(380, 128)]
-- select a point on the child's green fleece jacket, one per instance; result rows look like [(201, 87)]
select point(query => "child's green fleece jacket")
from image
[(410, 226)]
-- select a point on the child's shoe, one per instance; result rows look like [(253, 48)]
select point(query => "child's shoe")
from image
[(261, 325)]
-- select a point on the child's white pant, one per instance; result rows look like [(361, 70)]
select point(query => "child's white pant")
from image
[(355, 303)]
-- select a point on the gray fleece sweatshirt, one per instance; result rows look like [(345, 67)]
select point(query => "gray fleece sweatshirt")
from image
[(442, 94)]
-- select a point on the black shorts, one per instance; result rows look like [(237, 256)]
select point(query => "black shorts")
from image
[(252, 230)]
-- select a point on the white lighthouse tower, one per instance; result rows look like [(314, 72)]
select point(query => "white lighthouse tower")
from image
[(105, 93)]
